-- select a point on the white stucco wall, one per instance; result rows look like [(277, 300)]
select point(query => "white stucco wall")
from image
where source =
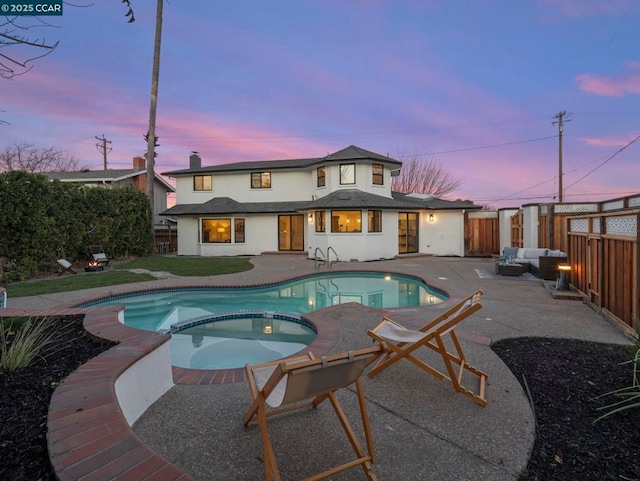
[(144, 383), (363, 246), (261, 235), (504, 226), (444, 236), (364, 180), (285, 186), (188, 236), (530, 226)]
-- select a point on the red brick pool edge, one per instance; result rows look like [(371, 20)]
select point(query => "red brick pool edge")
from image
[(88, 435)]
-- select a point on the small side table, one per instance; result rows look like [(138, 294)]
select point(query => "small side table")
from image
[(509, 269)]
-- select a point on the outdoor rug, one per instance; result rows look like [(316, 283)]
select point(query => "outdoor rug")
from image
[(490, 274)]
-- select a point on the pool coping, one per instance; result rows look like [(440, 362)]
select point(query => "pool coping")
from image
[(88, 436)]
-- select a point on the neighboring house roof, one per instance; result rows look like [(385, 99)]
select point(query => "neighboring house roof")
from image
[(341, 199), (350, 153), (426, 201), (103, 176)]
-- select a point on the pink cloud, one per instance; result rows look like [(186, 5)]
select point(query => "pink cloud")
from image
[(609, 86), (616, 142), (586, 8)]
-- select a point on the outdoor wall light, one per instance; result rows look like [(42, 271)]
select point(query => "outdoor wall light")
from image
[(310, 217), (430, 218)]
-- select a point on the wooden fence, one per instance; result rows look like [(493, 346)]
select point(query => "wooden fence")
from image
[(517, 224), (481, 234), (166, 240), (603, 253), (601, 240)]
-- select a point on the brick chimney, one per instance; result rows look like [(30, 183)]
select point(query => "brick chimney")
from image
[(140, 181), (195, 162), (138, 162)]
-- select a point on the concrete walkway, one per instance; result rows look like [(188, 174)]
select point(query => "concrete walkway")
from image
[(422, 428)]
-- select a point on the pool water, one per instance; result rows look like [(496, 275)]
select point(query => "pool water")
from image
[(214, 345), (232, 343)]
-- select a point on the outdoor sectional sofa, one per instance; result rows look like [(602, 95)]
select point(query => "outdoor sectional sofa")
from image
[(542, 263)]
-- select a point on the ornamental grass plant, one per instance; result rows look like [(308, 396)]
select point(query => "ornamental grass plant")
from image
[(22, 342)]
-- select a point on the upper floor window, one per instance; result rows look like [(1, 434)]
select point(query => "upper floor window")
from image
[(260, 180), (378, 174), (202, 182), (346, 221), (322, 180), (347, 174), (375, 221), (321, 221)]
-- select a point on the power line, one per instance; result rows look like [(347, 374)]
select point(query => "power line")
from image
[(604, 162), (552, 196), (481, 147)]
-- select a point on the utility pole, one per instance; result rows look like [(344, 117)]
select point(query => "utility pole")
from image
[(561, 120), (152, 138), (102, 148)]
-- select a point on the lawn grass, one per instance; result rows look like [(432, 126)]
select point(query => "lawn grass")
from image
[(190, 266), (179, 266), (75, 283)]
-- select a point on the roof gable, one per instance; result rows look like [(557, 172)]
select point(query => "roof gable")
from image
[(356, 153)]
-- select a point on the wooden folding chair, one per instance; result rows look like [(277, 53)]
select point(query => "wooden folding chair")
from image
[(403, 342), (290, 384), (65, 266)]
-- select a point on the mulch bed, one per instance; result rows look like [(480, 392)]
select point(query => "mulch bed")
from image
[(563, 377), (25, 396)]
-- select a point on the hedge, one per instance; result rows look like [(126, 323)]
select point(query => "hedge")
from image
[(43, 220)]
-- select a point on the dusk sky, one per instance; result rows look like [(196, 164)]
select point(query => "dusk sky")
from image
[(473, 85)]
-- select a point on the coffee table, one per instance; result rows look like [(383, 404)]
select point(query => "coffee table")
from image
[(505, 269)]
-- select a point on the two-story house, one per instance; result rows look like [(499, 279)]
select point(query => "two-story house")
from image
[(342, 201)]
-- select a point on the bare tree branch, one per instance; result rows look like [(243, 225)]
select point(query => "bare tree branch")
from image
[(30, 158), (21, 50), (424, 177)]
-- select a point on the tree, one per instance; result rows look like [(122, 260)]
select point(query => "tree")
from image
[(424, 177), (151, 137), (30, 158)]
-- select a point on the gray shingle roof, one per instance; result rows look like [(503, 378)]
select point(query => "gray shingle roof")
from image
[(341, 199), (350, 153), (226, 205)]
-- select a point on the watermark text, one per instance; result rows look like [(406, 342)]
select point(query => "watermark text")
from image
[(30, 7)]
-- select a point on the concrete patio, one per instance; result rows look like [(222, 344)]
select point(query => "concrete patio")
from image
[(422, 428)]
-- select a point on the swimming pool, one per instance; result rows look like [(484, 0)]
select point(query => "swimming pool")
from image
[(159, 310)]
